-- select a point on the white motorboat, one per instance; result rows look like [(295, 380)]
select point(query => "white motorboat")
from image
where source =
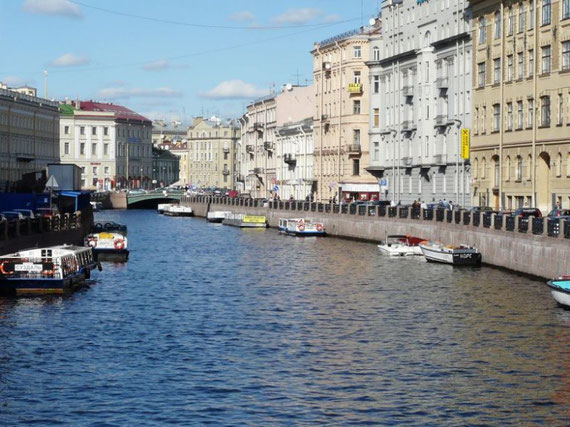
[(401, 245), (176, 210), (301, 227), (560, 289), (164, 206), (51, 270), (217, 216), (108, 241), (455, 255)]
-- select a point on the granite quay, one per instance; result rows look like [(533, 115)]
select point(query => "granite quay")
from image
[(537, 246)]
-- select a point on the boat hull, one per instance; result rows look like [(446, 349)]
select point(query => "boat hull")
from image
[(112, 255), (452, 258), (561, 294), (28, 287), (186, 214), (306, 233), (397, 251), (241, 224)]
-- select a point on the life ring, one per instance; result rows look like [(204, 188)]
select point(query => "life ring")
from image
[(119, 244), (319, 227), (7, 273), (92, 241), (301, 225)]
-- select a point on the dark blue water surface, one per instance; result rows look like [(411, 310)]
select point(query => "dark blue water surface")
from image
[(212, 324)]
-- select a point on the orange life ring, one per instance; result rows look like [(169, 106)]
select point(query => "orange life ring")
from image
[(7, 273), (301, 225), (319, 227), (119, 244)]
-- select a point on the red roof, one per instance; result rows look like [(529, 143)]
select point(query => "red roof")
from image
[(120, 111)]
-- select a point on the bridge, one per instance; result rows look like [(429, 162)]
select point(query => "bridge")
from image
[(122, 200)]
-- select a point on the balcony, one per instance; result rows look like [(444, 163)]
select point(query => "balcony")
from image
[(408, 126), (442, 83), (258, 171), (226, 171), (290, 159), (407, 161), (354, 148), (408, 91), (355, 88), (440, 159), (441, 120), (268, 146), (258, 126), (249, 149)]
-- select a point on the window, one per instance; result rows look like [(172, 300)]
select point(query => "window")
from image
[(376, 152), (427, 72), (95, 170), (106, 149), (496, 117), (531, 15), (66, 148), (497, 70), (66, 130), (546, 55), (520, 65), (376, 117), (93, 149), (83, 170), (356, 107), (482, 30), (510, 68), (484, 122), (356, 136), (560, 109), (566, 53), (511, 22), (481, 74), (82, 148), (530, 113), (565, 9), (106, 170), (519, 115), (376, 53), (356, 77), (521, 18), (509, 116), (106, 131), (519, 168), (357, 52), (498, 25), (531, 62), (545, 110), (427, 146), (94, 131), (82, 130), (546, 12), (356, 166), (376, 84)]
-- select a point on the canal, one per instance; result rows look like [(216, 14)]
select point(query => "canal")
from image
[(212, 324)]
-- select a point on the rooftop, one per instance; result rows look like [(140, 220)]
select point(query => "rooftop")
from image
[(118, 111)]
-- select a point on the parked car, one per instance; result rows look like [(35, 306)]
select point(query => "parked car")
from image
[(559, 213), (11, 215), (476, 209), (526, 212), (28, 213)]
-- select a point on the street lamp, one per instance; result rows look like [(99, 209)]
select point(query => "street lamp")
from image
[(140, 183)]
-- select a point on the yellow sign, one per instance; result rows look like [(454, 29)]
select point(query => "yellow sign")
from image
[(254, 219), (106, 236), (465, 142), (355, 87)]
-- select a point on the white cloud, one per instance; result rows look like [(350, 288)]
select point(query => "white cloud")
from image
[(244, 15), (329, 19), (69, 60), (298, 16), (16, 81), (124, 93), (234, 89), (52, 7)]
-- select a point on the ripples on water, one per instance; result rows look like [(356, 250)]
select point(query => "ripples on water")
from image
[(212, 324)]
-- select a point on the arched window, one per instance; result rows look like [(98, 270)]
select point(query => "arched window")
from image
[(497, 171), (559, 165), (427, 39), (508, 169), (475, 168), (376, 53), (519, 168), (529, 167), (483, 168)]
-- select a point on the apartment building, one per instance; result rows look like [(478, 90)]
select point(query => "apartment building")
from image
[(29, 134), (420, 85), (521, 142), (110, 143)]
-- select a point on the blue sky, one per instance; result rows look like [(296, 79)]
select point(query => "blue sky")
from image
[(170, 59)]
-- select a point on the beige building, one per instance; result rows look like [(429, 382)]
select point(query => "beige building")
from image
[(208, 154), (520, 147), (110, 143), (341, 119), (29, 134)]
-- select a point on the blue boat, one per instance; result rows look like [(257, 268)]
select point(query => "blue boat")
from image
[(560, 289), (52, 270)]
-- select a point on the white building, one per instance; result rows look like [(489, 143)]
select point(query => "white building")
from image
[(111, 144), (420, 83)]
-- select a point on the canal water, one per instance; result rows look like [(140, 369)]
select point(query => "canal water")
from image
[(212, 324)]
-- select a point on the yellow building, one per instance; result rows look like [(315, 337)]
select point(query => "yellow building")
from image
[(520, 146), (341, 120)]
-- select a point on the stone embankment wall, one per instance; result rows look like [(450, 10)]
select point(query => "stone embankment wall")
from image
[(524, 252)]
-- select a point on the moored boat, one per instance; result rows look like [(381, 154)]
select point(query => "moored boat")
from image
[(51, 270), (164, 206), (109, 241), (301, 227), (560, 290), (455, 255), (217, 216), (401, 245), (177, 210), (245, 221)]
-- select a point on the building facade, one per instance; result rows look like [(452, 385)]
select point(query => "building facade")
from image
[(341, 117), (165, 167), (29, 134), (110, 143), (420, 84), (521, 142), (208, 154)]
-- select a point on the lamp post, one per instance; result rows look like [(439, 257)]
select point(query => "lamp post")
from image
[(140, 183)]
